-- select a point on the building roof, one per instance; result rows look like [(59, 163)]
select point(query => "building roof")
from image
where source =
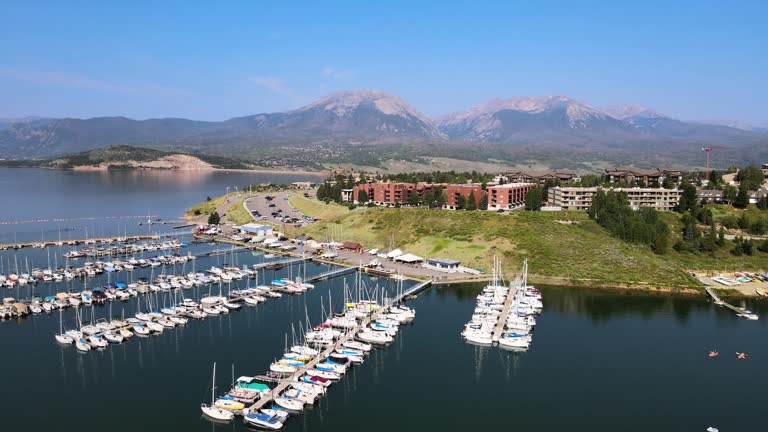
[(640, 171), (409, 258), (351, 245), (443, 261), (253, 228), (539, 174), (510, 185)]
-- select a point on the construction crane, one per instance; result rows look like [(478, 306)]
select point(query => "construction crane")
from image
[(709, 151)]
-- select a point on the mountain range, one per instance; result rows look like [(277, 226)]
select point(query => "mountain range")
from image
[(349, 120)]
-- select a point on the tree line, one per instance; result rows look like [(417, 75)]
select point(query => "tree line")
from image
[(611, 211)]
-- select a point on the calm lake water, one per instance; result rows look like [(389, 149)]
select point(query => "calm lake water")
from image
[(600, 361), (32, 194)]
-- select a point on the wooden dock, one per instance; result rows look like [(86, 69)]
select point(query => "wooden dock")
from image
[(284, 384), (331, 274), (99, 240), (499, 329), (718, 301)]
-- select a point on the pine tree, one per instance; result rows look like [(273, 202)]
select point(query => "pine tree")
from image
[(461, 202), (413, 198), (362, 196), (742, 198), (214, 218), (534, 199), (483, 202), (471, 202)]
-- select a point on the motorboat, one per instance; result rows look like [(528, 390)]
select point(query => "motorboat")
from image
[(114, 338), (229, 403), (263, 420), (82, 345), (141, 330), (289, 404), (331, 376), (356, 345), (96, 341), (283, 369)]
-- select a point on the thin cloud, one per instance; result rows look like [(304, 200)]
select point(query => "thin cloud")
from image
[(78, 81), (276, 85), (341, 75)]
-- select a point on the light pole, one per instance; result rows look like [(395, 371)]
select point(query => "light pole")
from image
[(227, 190)]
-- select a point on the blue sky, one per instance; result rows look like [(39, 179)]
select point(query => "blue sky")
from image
[(210, 61)]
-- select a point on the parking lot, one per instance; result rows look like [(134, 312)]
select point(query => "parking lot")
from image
[(275, 208)]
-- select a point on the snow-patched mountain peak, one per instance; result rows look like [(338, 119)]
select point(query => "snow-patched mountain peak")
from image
[(343, 103), (625, 111), (576, 112), (349, 104)]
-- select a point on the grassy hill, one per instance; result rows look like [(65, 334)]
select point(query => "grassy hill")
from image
[(562, 247)]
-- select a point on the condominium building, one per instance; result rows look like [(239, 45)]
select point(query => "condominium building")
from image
[(561, 176), (390, 194), (580, 198), (647, 177), (508, 196)]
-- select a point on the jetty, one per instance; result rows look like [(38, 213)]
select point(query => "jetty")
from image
[(284, 384), (744, 313), (279, 264), (47, 243), (332, 274), (499, 328)]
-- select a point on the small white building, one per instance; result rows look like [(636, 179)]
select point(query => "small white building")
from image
[(444, 265), (256, 229)]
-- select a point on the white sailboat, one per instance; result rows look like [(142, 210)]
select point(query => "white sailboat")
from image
[(62, 337), (213, 411)]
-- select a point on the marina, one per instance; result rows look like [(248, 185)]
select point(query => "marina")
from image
[(505, 315), (584, 339)]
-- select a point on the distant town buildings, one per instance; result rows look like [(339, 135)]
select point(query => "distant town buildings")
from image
[(648, 177), (580, 198), (540, 176)]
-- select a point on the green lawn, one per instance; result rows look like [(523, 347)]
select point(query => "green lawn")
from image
[(205, 207), (237, 214), (563, 245), (315, 208)]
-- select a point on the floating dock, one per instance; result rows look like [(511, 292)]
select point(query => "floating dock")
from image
[(47, 243), (332, 274), (499, 329), (744, 313), (284, 384)]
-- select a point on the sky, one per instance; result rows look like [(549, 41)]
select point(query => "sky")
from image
[(217, 60)]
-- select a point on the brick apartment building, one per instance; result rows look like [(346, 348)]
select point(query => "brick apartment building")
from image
[(390, 194), (508, 196)]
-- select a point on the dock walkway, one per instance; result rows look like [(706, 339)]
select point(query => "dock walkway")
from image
[(499, 329), (718, 301), (47, 243), (332, 274), (350, 335)]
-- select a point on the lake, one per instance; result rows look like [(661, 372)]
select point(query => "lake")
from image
[(33, 194), (600, 360)]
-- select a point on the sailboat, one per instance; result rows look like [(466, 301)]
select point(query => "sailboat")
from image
[(211, 410), (62, 337)]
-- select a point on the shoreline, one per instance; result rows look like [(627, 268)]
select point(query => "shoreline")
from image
[(320, 174)]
